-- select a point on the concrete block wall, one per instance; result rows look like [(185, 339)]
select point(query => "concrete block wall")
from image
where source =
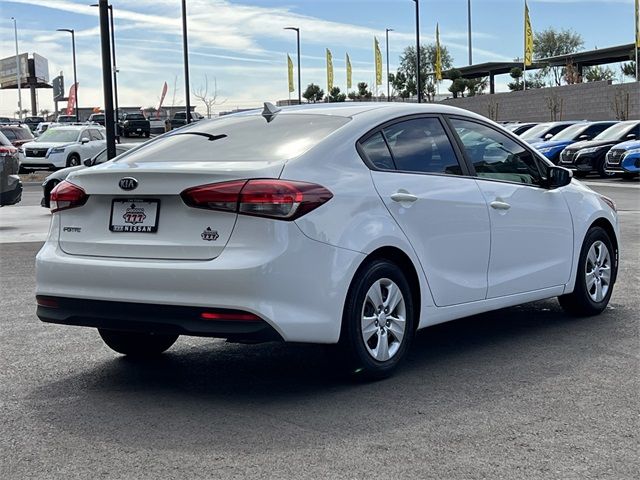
[(583, 101)]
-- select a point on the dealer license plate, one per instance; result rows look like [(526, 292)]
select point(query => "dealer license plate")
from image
[(134, 215)]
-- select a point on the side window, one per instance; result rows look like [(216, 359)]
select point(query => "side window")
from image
[(95, 135), (557, 129), (101, 157), (594, 130), (375, 148), (496, 156), (422, 145)]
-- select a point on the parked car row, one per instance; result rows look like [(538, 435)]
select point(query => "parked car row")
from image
[(605, 147)]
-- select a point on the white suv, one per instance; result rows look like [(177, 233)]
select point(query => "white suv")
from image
[(63, 147)]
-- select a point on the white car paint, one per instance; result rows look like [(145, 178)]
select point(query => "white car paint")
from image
[(56, 153), (468, 257)]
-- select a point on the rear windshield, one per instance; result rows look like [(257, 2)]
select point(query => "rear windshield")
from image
[(135, 116), (240, 138)]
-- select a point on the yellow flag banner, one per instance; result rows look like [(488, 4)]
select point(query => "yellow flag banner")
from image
[(329, 71), (349, 73), (438, 65), (290, 73), (378, 56), (637, 23), (528, 37)]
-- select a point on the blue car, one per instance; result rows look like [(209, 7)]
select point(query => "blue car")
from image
[(624, 158), (575, 133)]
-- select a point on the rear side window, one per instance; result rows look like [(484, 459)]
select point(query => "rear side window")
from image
[(375, 148), (422, 145), (240, 138), (10, 134)]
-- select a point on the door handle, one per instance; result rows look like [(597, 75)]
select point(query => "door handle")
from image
[(500, 205), (403, 196)]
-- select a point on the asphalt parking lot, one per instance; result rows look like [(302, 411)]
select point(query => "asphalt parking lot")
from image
[(524, 392)]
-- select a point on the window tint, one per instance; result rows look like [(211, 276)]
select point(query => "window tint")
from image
[(496, 156), (595, 129), (10, 134), (556, 129), (377, 152), (241, 138), (421, 145)]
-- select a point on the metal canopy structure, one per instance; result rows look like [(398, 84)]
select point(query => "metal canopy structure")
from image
[(589, 58)]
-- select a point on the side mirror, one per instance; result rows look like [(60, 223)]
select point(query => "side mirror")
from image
[(88, 162), (548, 136), (583, 137), (84, 140), (631, 136), (558, 177)]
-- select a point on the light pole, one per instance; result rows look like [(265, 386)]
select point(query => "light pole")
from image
[(18, 79), (75, 75), (113, 60), (109, 122), (418, 83), (386, 31), (297, 30), (469, 30), (185, 48)]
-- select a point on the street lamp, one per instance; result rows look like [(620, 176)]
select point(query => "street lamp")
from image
[(297, 30), (113, 60), (18, 79), (387, 30), (469, 30), (418, 88), (185, 49), (75, 75)]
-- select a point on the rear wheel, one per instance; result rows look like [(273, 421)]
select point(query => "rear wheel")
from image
[(137, 344), (597, 269), (378, 320)]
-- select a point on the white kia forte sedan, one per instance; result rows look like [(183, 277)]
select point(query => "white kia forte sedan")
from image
[(353, 225)]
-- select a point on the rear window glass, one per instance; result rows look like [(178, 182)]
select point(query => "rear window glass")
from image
[(135, 116), (240, 138)]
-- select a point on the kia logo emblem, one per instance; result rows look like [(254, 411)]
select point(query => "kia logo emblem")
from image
[(128, 183)]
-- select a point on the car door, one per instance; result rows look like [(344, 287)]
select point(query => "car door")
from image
[(419, 177), (531, 227), (97, 142)]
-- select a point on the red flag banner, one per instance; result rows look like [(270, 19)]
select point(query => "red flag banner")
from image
[(71, 102), (162, 95)]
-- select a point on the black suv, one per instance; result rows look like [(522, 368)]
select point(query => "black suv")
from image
[(33, 122), (589, 156), (134, 123)]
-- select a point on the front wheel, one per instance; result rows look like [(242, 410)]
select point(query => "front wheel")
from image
[(602, 170), (73, 160), (137, 344), (597, 270), (378, 322)]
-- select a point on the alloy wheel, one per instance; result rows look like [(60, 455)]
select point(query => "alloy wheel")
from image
[(598, 271)]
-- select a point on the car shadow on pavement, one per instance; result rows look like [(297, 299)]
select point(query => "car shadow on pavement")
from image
[(272, 397)]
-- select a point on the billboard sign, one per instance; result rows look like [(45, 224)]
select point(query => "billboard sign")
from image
[(41, 68), (58, 88), (8, 70)]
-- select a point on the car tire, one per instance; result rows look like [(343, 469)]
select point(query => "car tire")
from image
[(595, 278), (374, 342), (137, 344), (601, 170), (146, 134), (629, 176), (73, 160)]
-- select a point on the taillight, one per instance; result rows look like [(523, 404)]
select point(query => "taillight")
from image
[(280, 199), (6, 151), (67, 195)]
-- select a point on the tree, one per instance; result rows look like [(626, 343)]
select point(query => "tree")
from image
[(209, 99), (427, 65), (550, 43), (45, 112), (336, 96), (476, 86), (598, 73), (628, 69), (313, 93), (536, 80), (516, 74), (458, 84)]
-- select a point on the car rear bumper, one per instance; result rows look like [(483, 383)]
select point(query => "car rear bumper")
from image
[(12, 193), (295, 284), (151, 318)]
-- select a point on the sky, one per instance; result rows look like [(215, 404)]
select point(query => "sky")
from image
[(241, 44)]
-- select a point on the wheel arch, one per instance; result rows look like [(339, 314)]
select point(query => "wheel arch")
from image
[(400, 258), (606, 225)]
